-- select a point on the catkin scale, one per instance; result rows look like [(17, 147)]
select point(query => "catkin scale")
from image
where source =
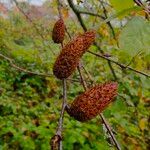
[(89, 37), (58, 32), (92, 102), (70, 55)]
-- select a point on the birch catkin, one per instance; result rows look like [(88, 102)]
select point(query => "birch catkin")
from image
[(70, 55), (92, 102), (58, 33)]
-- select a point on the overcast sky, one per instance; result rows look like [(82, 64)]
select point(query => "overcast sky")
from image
[(36, 2)]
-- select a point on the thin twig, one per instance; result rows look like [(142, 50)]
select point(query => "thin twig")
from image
[(70, 2), (108, 23), (119, 64), (88, 74), (114, 36), (18, 68), (81, 77), (11, 61), (133, 58), (91, 14), (112, 70), (110, 131), (140, 3), (60, 123), (64, 102), (59, 8), (101, 115), (85, 29)]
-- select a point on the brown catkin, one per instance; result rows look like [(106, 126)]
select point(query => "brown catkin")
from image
[(58, 33), (92, 102), (70, 55)]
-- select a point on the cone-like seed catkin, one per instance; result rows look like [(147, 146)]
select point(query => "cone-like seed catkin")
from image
[(70, 55), (58, 33), (92, 102)]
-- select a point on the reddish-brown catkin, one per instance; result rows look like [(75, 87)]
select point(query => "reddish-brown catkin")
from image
[(70, 55), (92, 102), (58, 33)]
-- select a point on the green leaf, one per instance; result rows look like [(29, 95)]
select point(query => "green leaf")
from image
[(135, 36), (122, 13), (120, 5)]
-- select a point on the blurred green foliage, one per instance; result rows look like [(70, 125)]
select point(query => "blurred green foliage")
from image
[(30, 104)]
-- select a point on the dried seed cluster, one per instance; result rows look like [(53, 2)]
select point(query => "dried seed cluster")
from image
[(58, 33), (70, 55), (92, 102)]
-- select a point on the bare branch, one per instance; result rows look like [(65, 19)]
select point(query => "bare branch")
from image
[(92, 14), (60, 124), (112, 70), (18, 68), (59, 8), (101, 115), (81, 77), (145, 8), (120, 65), (70, 2), (11, 61), (85, 29), (56, 140), (114, 36), (108, 23), (110, 131)]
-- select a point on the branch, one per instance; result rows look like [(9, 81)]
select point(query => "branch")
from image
[(119, 64), (75, 10), (88, 74), (114, 36), (60, 124), (23, 69), (112, 70), (81, 76), (140, 3), (85, 29), (101, 115), (59, 8), (83, 82), (108, 23), (18, 68), (91, 14), (56, 140), (110, 131)]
